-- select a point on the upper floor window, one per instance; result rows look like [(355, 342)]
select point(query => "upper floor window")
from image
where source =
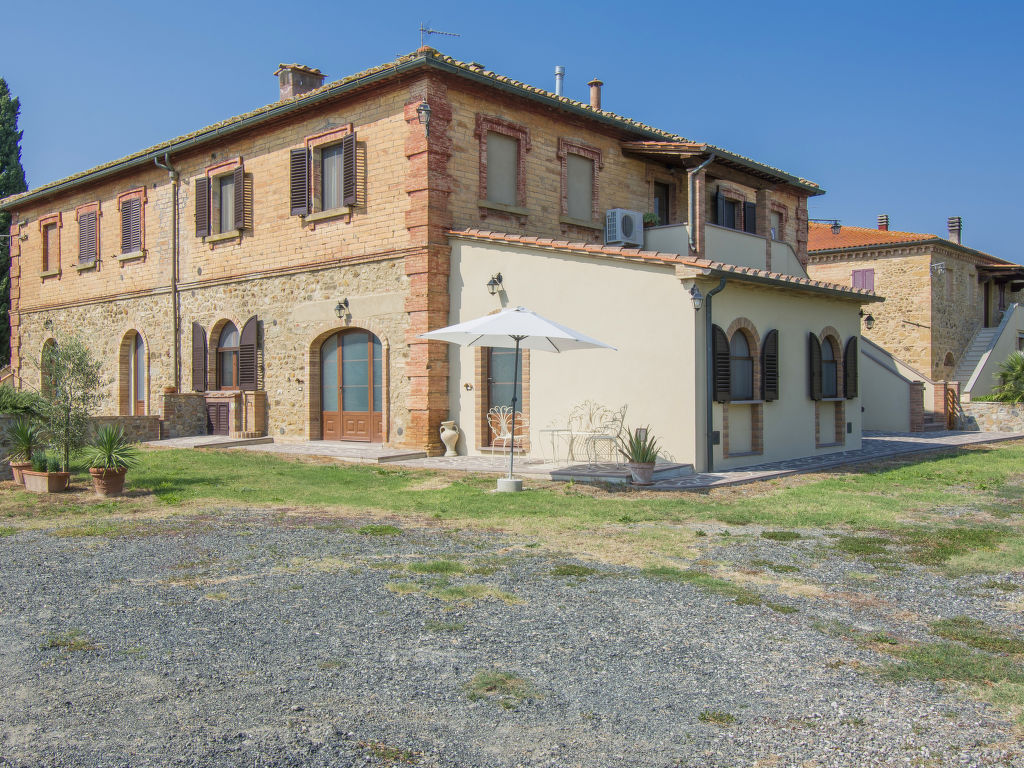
[(502, 172), (580, 163), (661, 199), (49, 232), (864, 279), (221, 200), (731, 210), (130, 204), (741, 368), (323, 173), (777, 233), (88, 233)]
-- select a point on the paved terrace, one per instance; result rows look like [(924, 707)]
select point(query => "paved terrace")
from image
[(668, 477)]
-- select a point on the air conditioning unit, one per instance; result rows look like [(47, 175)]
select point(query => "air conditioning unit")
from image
[(623, 227)]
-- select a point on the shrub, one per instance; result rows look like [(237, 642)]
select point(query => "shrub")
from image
[(20, 402), (72, 380), (111, 450), (1011, 379), (39, 461), (25, 438)]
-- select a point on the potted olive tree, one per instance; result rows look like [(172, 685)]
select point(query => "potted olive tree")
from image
[(110, 457), (25, 438), (640, 450)]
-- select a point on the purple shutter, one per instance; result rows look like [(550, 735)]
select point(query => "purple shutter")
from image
[(198, 358), (247, 355), (348, 163), (869, 280), (239, 184), (299, 174), (202, 207)]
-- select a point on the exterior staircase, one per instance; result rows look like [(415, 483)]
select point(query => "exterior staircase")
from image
[(979, 345)]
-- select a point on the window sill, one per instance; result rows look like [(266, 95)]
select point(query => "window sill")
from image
[(84, 267), (130, 256), (334, 213), (515, 210), (832, 399), (584, 223), (49, 273), (223, 237), (745, 402)]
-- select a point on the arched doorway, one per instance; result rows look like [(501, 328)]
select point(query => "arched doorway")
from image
[(351, 386)]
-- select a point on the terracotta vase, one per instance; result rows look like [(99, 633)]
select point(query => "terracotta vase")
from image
[(17, 468), (45, 482), (450, 436), (643, 474), (107, 482)]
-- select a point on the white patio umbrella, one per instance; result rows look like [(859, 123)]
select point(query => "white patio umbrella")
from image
[(520, 328)]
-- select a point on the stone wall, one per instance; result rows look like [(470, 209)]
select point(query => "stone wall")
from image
[(5, 467), (184, 414), (138, 429), (991, 417)]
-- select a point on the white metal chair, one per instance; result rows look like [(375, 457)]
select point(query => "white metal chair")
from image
[(594, 431), (499, 421)]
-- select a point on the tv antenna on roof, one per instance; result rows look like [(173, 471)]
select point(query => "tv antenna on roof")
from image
[(426, 30)]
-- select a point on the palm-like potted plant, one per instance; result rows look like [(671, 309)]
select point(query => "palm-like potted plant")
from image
[(25, 438), (110, 456), (640, 449)]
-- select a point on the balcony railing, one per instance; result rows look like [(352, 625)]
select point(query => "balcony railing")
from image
[(729, 246)]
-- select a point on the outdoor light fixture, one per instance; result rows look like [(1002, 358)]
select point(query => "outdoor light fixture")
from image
[(836, 226), (869, 320), (341, 308), (423, 113), (697, 298), (494, 284), (938, 268)]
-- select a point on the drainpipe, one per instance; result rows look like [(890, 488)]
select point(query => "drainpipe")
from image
[(172, 174), (709, 375), (691, 197)]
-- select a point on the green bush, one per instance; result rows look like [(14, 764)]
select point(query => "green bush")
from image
[(1011, 379), (39, 461), (20, 402), (25, 438)]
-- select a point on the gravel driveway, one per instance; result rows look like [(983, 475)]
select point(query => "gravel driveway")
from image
[(252, 638)]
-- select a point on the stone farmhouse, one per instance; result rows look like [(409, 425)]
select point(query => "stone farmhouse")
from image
[(271, 274), (950, 311)]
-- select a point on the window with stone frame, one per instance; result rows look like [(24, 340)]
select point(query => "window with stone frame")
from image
[(88, 217), (741, 367), (502, 179), (580, 166), (730, 209), (49, 232), (131, 205), (323, 174), (221, 200), (829, 369)]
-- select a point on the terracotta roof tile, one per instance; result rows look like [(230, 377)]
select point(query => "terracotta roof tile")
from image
[(658, 256), (820, 237)]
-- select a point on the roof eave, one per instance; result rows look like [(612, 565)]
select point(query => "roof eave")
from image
[(844, 294)]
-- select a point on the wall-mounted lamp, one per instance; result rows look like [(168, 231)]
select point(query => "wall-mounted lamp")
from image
[(341, 308), (869, 320), (939, 268), (494, 284), (836, 226), (697, 298), (423, 113), (468, 387)]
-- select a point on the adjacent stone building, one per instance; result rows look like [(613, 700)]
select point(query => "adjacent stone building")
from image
[(272, 273)]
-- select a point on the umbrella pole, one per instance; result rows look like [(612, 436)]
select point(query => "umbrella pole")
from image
[(515, 384)]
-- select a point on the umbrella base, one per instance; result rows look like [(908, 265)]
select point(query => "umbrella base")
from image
[(510, 484)]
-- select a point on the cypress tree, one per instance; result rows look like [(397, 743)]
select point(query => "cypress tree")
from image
[(12, 181)]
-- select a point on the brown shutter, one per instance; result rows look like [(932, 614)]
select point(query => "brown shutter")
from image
[(87, 237), (131, 225), (850, 379), (299, 174), (202, 207), (239, 183), (247, 355), (136, 224), (198, 358), (770, 366), (348, 163), (719, 209), (814, 366), (722, 384), (750, 218)]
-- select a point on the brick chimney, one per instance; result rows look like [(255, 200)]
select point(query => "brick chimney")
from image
[(595, 93), (296, 79), (956, 227), (883, 222)]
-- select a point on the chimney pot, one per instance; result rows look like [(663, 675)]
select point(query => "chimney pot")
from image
[(883, 222), (296, 79), (559, 78), (956, 226), (595, 93)]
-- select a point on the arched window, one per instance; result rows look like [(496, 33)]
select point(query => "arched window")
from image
[(829, 369), (138, 367), (948, 359), (227, 357), (741, 368), (131, 396), (351, 386)]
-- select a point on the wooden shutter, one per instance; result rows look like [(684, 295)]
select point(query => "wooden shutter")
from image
[(719, 209), (299, 175), (722, 384), (202, 207), (247, 355), (131, 225), (770, 366), (348, 163), (239, 182), (750, 218), (198, 358), (814, 366), (869, 280), (87, 237), (850, 360)]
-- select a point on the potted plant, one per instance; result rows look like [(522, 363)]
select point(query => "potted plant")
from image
[(651, 220), (110, 457), (25, 438), (640, 449), (73, 383), (46, 475)]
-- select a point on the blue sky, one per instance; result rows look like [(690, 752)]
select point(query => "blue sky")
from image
[(908, 108)]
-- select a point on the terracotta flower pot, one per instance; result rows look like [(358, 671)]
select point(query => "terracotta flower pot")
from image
[(17, 467), (107, 482), (643, 474), (45, 482)]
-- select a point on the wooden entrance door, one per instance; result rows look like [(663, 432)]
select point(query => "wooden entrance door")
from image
[(217, 415), (351, 387)]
